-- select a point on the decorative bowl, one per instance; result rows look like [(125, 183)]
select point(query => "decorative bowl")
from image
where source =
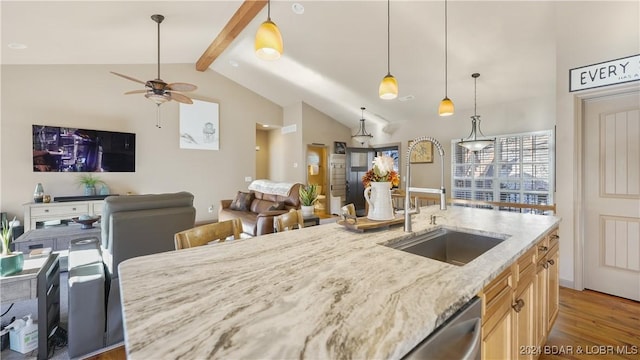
[(86, 221)]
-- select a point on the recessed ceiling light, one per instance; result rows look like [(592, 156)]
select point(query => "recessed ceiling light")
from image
[(234, 63), (265, 125), (297, 8), (17, 46), (407, 98)]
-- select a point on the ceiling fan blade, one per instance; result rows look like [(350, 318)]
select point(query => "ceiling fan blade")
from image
[(135, 92), (180, 98), (128, 78), (181, 86)]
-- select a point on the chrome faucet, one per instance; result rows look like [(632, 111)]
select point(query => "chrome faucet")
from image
[(409, 189)]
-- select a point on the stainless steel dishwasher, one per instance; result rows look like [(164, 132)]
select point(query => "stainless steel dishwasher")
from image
[(458, 338)]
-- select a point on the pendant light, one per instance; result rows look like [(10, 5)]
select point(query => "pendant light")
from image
[(362, 135), (446, 107), (472, 143), (268, 43), (388, 89)]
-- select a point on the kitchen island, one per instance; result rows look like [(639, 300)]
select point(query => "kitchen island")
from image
[(322, 292)]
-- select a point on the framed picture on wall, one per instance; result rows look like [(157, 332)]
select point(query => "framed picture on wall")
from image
[(340, 147), (199, 126), (422, 153)]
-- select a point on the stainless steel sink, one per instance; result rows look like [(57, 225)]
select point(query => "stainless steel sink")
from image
[(450, 246)]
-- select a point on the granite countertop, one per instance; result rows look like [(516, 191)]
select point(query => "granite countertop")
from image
[(322, 292)]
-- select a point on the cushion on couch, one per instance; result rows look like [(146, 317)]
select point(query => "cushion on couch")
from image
[(242, 202)]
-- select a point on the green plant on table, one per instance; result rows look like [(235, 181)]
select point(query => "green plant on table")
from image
[(5, 236), (308, 194), (88, 180)]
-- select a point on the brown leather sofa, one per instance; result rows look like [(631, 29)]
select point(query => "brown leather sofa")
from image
[(258, 218)]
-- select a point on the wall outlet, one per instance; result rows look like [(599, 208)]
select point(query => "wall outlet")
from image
[(211, 208), (247, 178)]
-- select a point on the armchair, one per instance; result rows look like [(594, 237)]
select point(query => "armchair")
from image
[(132, 226)]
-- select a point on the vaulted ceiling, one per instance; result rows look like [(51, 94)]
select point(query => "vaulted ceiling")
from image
[(335, 52)]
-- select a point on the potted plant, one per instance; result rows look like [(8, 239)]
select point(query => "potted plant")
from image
[(10, 262), (308, 197), (89, 182)]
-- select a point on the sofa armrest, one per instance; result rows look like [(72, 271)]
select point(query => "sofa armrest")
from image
[(225, 204), (264, 221)]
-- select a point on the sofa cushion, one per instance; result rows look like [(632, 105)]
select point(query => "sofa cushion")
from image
[(258, 206), (242, 202), (277, 206)]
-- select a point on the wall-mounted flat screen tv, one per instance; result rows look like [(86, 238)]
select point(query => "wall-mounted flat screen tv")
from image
[(59, 149)]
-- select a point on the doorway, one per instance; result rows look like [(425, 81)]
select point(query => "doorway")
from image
[(611, 194), (317, 174)]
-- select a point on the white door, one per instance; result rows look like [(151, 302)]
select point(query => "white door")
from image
[(612, 194)]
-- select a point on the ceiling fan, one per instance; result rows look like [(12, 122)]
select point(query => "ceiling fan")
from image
[(157, 90)]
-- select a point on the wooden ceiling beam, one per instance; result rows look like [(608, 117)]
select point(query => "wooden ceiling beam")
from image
[(242, 17)]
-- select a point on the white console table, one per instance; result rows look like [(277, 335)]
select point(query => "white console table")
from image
[(38, 212)]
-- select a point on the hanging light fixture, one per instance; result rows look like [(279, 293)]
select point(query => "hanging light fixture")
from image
[(362, 135), (472, 143), (388, 89), (268, 43), (446, 107)]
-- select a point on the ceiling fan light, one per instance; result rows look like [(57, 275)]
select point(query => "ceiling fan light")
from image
[(388, 89), (158, 99), (268, 43), (446, 107)]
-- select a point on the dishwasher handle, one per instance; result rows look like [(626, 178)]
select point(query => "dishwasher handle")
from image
[(460, 341), (474, 346)]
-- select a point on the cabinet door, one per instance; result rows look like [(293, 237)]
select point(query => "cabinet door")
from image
[(524, 309), (497, 331), (542, 316), (553, 295)]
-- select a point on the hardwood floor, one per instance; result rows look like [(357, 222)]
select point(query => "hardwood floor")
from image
[(593, 325), (590, 325)]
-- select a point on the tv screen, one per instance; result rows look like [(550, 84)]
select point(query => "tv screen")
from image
[(58, 149)]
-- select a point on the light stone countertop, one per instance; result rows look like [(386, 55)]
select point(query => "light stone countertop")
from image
[(323, 292)]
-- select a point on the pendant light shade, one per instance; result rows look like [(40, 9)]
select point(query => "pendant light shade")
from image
[(446, 107), (268, 43), (362, 135), (472, 143), (388, 89)]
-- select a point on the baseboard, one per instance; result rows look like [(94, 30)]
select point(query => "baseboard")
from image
[(568, 284)]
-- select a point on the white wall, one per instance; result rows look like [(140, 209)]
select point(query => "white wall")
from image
[(87, 96), (603, 31)]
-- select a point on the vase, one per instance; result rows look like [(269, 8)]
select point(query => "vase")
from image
[(307, 210), (11, 264), (104, 190), (38, 193), (378, 196), (89, 190)]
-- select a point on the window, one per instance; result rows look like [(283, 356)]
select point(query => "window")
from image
[(517, 169)]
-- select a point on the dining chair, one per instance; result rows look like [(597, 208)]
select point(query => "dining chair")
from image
[(204, 234), (288, 221)]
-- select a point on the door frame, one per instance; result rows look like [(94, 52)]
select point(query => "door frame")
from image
[(578, 188)]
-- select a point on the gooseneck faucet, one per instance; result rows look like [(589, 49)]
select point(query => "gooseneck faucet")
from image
[(409, 189)]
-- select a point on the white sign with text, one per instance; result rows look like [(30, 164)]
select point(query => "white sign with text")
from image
[(606, 73)]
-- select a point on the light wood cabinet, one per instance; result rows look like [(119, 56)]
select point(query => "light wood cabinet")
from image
[(520, 305), (40, 212)]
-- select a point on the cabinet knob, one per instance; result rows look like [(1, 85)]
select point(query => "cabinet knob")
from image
[(543, 248), (518, 305), (555, 236), (550, 261)]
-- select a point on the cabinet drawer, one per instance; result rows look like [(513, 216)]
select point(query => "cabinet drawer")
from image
[(27, 246), (96, 208), (526, 263), (554, 238), (64, 210), (495, 291)]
